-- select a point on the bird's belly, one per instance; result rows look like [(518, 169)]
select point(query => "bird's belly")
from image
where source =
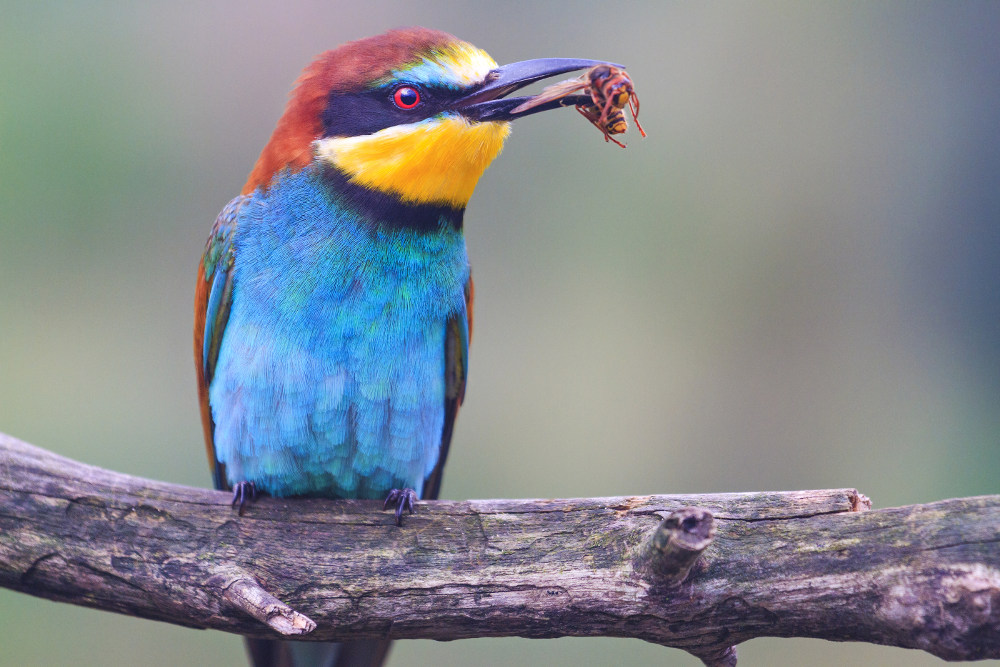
[(349, 414)]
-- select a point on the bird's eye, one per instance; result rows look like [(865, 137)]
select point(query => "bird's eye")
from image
[(406, 97)]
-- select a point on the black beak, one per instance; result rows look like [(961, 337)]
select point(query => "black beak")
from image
[(485, 103)]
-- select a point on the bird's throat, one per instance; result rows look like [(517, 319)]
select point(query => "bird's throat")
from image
[(437, 161)]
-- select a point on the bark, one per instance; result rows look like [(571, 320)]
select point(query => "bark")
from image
[(698, 572)]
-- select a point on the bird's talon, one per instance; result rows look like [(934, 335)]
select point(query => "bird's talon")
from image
[(402, 499), (241, 491)]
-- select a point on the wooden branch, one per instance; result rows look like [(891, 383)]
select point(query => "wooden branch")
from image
[(701, 573)]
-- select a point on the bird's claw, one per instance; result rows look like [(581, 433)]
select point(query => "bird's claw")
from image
[(402, 499), (242, 491)]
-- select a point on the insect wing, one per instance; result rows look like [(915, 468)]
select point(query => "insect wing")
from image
[(556, 91)]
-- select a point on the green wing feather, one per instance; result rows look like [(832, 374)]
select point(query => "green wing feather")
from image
[(213, 298), (456, 352)]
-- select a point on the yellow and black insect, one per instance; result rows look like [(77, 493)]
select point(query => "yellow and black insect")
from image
[(610, 90)]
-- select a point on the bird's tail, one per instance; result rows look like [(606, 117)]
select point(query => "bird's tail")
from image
[(358, 653)]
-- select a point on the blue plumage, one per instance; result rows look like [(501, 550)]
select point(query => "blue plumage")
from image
[(330, 379)]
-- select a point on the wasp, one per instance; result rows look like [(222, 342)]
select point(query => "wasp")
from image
[(610, 90)]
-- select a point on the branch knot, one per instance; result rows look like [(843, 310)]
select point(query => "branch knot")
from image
[(676, 545)]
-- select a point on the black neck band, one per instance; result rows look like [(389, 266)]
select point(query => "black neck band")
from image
[(388, 209)]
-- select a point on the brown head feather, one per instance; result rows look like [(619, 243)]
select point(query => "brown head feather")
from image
[(348, 67)]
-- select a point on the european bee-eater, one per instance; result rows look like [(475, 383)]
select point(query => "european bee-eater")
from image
[(334, 300)]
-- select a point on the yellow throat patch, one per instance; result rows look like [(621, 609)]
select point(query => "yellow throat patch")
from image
[(436, 161)]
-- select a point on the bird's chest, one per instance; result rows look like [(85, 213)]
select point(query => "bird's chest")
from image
[(315, 278), (331, 376)]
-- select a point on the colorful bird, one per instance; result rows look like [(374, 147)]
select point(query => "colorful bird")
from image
[(334, 300)]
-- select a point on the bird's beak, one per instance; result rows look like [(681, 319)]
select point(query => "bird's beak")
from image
[(485, 103)]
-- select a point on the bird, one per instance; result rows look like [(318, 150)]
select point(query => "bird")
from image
[(334, 298)]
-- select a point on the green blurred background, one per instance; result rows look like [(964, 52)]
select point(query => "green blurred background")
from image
[(792, 283)]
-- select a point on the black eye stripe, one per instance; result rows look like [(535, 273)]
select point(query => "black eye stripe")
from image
[(357, 113)]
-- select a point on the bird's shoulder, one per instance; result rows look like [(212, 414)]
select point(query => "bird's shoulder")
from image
[(218, 253)]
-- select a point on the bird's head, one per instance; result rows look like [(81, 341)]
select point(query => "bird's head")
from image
[(413, 114)]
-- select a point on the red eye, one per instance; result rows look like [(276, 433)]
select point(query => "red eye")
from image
[(406, 97)]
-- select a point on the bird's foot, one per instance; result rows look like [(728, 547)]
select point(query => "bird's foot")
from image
[(243, 491), (402, 499)]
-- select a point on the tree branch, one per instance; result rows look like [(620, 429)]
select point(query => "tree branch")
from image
[(702, 573)]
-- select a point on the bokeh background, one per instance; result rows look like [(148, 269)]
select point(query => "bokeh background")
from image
[(794, 282)]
